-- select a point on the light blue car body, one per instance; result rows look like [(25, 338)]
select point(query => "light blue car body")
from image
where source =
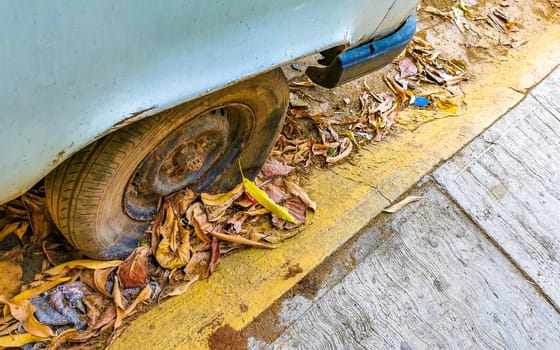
[(73, 71)]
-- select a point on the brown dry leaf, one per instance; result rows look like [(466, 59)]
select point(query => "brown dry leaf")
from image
[(133, 272), (344, 151), (294, 189), (181, 201), (275, 193), (94, 304), (214, 257), (39, 216), (8, 325), (407, 67), (100, 311), (119, 304), (237, 220), (19, 340), (398, 206), (142, 296), (182, 288), (10, 277), (68, 335), (274, 167), (197, 266), (81, 264), (297, 208), (239, 239), (198, 218), (217, 212)]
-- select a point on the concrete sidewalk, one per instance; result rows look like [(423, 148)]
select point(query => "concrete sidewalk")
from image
[(474, 264)]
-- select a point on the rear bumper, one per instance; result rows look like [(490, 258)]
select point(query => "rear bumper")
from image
[(359, 61)]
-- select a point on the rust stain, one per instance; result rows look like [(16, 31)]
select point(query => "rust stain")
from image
[(131, 117)]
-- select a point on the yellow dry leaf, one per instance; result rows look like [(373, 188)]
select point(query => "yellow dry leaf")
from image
[(9, 229), (222, 198), (33, 326), (264, 200), (31, 293), (257, 212), (173, 259), (21, 229), (10, 277), (19, 340), (84, 264), (23, 311)]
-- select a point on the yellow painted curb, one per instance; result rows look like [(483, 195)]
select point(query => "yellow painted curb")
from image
[(348, 197)]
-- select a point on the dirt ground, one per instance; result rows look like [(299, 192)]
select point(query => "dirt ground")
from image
[(475, 37)]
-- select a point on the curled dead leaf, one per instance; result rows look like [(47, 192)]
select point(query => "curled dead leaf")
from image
[(294, 189), (39, 216), (345, 149), (173, 258), (274, 167), (182, 288), (197, 266), (215, 256), (198, 218), (119, 303), (144, 295), (81, 264), (398, 206), (133, 272), (239, 239)]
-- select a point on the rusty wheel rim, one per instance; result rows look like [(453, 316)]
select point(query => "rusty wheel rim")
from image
[(189, 156)]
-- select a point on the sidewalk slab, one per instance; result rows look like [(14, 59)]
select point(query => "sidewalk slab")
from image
[(508, 182), (436, 283)]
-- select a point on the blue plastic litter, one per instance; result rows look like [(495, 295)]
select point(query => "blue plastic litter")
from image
[(419, 101)]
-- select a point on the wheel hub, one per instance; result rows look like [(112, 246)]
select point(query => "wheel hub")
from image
[(203, 145)]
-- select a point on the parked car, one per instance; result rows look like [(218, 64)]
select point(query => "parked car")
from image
[(117, 103)]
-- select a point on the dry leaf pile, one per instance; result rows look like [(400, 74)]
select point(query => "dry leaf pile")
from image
[(423, 80), (74, 301)]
